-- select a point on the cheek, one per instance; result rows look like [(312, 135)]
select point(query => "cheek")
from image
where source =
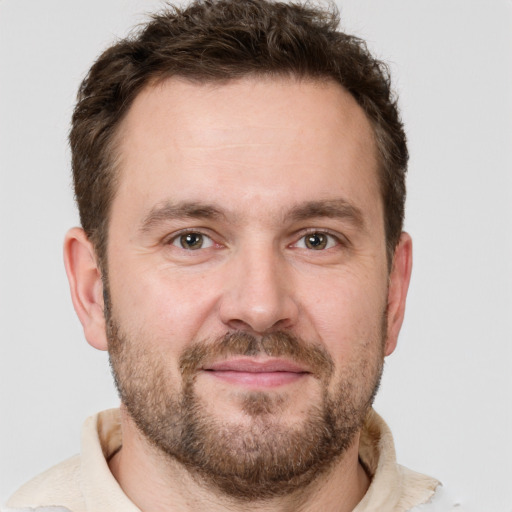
[(162, 302), (348, 314)]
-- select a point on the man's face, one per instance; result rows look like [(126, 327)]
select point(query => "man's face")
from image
[(248, 277)]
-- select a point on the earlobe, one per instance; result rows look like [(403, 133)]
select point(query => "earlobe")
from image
[(397, 292), (86, 286)]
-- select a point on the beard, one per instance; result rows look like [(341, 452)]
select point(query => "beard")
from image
[(262, 458)]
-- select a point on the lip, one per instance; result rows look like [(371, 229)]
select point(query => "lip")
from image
[(256, 366), (256, 373)]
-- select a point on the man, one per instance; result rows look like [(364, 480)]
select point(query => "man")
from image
[(239, 169)]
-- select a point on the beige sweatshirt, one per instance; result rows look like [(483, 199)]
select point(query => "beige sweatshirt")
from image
[(84, 482)]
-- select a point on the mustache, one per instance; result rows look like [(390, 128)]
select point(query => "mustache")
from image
[(276, 344)]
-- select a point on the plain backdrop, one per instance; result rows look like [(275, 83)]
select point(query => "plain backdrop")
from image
[(446, 392)]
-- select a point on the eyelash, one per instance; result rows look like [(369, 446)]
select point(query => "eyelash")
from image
[(338, 240), (176, 237)]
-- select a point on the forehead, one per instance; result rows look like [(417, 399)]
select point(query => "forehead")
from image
[(257, 138)]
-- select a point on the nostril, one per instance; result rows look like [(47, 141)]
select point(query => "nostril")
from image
[(259, 327), (239, 325)]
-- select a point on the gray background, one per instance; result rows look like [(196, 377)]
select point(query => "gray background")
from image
[(447, 389)]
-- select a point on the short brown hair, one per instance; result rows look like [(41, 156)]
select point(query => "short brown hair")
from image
[(218, 40)]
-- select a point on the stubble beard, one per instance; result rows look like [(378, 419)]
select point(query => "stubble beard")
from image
[(264, 458)]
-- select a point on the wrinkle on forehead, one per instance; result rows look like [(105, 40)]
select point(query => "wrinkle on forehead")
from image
[(180, 97)]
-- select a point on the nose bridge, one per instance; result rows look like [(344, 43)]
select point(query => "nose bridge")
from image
[(258, 296)]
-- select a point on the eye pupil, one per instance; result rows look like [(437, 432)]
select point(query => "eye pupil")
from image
[(316, 241), (191, 240)]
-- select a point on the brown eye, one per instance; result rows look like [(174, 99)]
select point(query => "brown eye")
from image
[(316, 241), (192, 241)]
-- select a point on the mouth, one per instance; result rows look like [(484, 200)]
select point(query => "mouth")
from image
[(257, 373)]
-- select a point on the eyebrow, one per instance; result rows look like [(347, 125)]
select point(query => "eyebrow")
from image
[(334, 208), (182, 210)]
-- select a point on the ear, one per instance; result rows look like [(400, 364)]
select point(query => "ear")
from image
[(84, 278), (397, 291)]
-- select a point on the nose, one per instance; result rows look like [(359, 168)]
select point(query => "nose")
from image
[(258, 294)]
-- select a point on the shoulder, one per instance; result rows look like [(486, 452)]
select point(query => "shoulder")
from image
[(37, 509), (55, 490), (427, 493), (441, 501)]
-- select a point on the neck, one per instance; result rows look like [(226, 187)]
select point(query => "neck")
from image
[(155, 483)]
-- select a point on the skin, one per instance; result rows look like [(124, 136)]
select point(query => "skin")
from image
[(257, 151)]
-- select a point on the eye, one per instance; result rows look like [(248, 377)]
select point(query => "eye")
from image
[(192, 241), (317, 241)]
